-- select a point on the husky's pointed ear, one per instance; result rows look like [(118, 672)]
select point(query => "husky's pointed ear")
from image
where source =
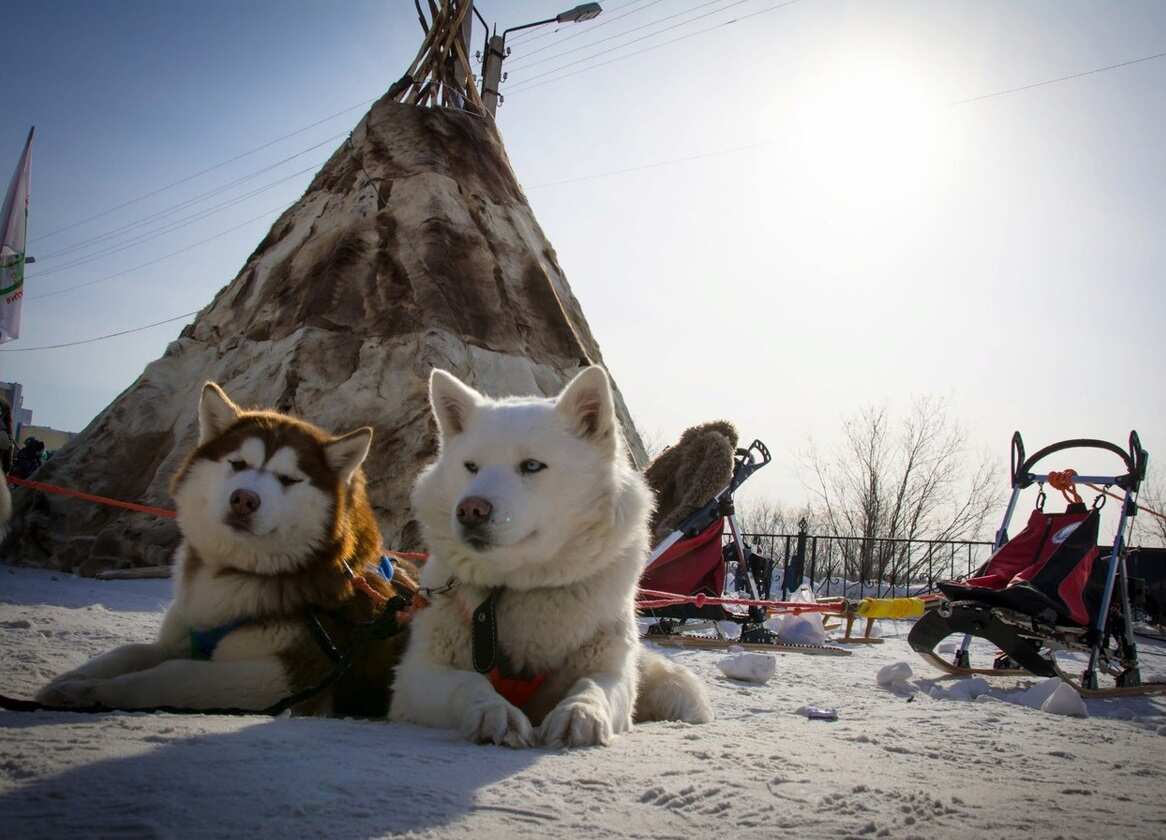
[(215, 412), (586, 405), (346, 453), (453, 402)]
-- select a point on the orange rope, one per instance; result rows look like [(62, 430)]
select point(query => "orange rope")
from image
[(89, 497), (1066, 479), (1063, 481), (1139, 506)]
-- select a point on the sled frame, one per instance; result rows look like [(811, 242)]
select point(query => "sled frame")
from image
[(1135, 459)]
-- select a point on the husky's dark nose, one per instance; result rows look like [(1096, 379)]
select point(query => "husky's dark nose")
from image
[(473, 511), (244, 502)]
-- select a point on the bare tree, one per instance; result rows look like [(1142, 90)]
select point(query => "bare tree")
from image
[(892, 482), (765, 516), (1148, 529), (653, 439)]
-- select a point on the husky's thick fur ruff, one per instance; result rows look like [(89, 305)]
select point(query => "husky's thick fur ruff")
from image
[(271, 511), (534, 502)]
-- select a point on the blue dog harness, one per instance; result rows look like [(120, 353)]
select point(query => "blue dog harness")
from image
[(203, 643)]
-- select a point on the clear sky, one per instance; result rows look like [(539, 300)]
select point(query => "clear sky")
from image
[(841, 233)]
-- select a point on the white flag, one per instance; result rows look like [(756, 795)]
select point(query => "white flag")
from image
[(13, 236)]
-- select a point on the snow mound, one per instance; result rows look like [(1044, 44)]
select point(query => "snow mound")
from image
[(802, 630), (897, 672), (967, 689), (1056, 697), (751, 667)]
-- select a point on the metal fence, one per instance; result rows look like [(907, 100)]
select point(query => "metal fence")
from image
[(858, 566)]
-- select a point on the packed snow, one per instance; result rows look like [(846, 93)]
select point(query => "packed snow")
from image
[(925, 756), (749, 667)]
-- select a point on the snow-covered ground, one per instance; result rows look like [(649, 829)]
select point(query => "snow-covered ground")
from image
[(899, 762)]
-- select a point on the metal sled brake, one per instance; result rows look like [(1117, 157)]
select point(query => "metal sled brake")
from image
[(1049, 589)]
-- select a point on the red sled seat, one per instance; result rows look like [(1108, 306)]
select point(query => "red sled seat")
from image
[(1043, 571), (693, 566)]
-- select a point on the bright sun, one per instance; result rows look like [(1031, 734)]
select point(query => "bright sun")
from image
[(867, 134)]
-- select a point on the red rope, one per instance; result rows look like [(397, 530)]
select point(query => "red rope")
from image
[(653, 599), (89, 497)]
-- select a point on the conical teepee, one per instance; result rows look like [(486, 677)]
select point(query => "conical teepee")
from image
[(413, 248)]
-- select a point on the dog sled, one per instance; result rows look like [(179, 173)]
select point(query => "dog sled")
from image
[(683, 585), (1050, 590)]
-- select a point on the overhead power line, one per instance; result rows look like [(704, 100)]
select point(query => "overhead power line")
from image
[(655, 164), (99, 337), (591, 176), (158, 259), (525, 84), (201, 172), (178, 223), (538, 33), (1059, 79), (770, 141), (608, 20), (153, 217)]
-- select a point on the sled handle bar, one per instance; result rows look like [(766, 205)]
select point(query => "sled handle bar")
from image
[(1135, 459), (749, 461)]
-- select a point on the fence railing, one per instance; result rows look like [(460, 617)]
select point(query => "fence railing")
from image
[(855, 567)]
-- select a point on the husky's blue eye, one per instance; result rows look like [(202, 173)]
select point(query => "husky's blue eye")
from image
[(531, 466), (471, 467), (238, 466), (287, 480)]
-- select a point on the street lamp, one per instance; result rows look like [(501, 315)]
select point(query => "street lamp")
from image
[(496, 49)]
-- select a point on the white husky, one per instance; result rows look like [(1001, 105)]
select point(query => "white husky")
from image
[(537, 526)]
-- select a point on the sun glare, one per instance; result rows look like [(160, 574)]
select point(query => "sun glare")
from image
[(868, 134)]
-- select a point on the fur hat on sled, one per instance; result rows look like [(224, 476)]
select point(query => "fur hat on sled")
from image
[(685, 476)]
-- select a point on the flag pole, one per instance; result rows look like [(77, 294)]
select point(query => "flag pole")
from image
[(14, 243)]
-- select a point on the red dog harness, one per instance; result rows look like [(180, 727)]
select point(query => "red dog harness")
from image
[(516, 687)]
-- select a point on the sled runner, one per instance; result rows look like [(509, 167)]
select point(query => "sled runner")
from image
[(1049, 588)]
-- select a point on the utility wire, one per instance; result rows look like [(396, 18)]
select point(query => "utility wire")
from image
[(587, 31), (202, 172), (656, 164), (770, 141), (538, 33), (525, 84), (99, 337), (179, 223), (1059, 79), (956, 103), (157, 260), (152, 217)]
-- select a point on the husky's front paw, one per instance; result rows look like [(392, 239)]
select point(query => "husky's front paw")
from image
[(495, 720), (75, 693), (577, 722)]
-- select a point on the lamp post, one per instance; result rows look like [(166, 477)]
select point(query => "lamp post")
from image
[(496, 50)]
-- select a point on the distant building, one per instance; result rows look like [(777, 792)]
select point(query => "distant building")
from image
[(53, 439), (13, 394)]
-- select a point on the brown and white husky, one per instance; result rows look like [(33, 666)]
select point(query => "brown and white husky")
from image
[(272, 510)]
